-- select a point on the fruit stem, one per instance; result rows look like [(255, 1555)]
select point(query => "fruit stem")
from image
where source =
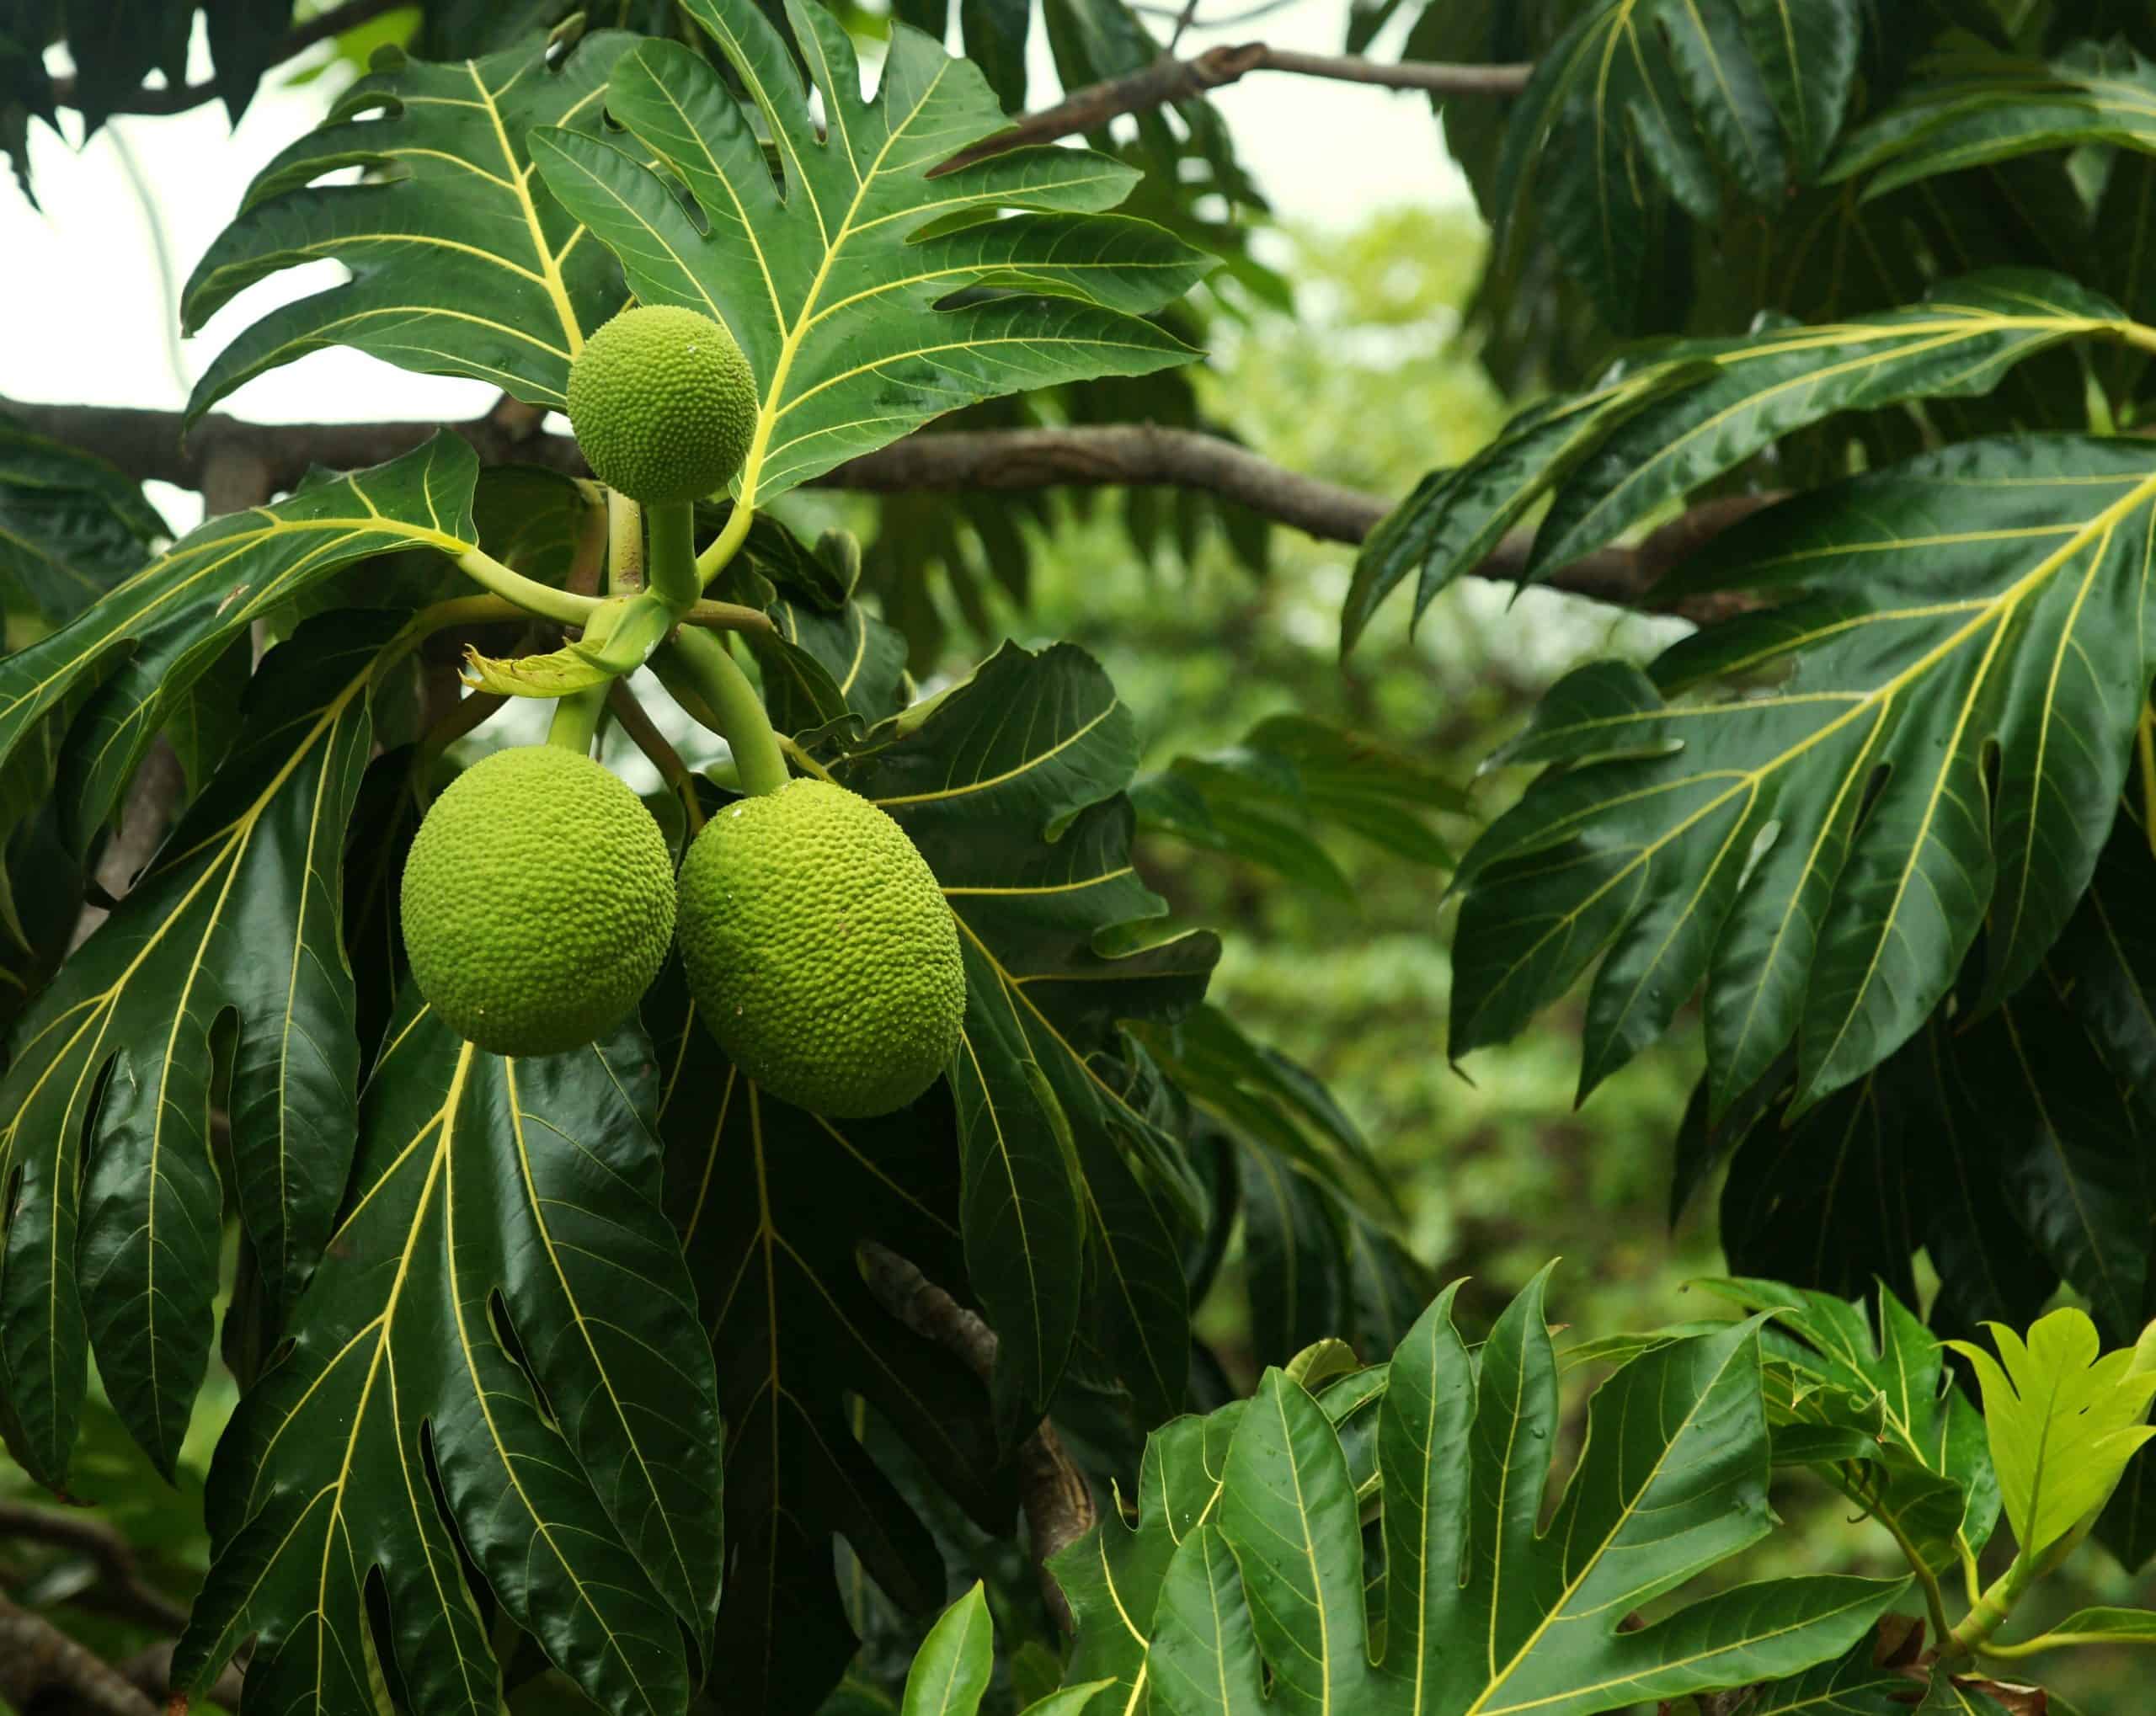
[(672, 567), (714, 559), (624, 545), (576, 719), (706, 668), (562, 607)]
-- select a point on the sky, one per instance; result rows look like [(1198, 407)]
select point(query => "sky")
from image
[(88, 303)]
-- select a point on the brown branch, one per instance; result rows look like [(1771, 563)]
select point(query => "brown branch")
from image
[(1058, 1507), (38, 1660), (120, 1589), (332, 22), (1168, 79), (146, 444)]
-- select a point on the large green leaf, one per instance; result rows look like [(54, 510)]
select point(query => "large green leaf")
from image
[(1821, 855), (460, 261), (1011, 785), (111, 1078), (772, 1204), (1680, 414), (119, 670), (831, 281), (71, 527), (1484, 1612), (496, 1375)]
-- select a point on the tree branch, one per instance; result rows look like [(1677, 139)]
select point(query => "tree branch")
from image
[(146, 446), (1168, 80), (120, 1589), (37, 1659), (179, 99), (1058, 1505)]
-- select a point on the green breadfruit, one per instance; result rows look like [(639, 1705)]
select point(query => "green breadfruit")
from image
[(663, 404), (820, 951), (538, 902)]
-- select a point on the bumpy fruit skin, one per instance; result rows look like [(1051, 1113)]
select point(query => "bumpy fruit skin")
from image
[(663, 404), (538, 902), (821, 953)]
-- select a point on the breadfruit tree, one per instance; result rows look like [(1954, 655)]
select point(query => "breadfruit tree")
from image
[(665, 1247)]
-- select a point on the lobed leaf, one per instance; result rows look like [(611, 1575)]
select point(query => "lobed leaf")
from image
[(71, 527), (831, 276), (460, 261), (495, 1374), (116, 1232), (1820, 856), (1482, 1611)]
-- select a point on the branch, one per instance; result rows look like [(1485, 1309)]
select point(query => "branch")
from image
[(1058, 1507), (180, 98), (1168, 79), (120, 1589), (37, 1659), (146, 444)]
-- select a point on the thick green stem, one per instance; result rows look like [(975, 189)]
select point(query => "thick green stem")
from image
[(1989, 1613), (714, 559), (730, 705), (562, 607), (576, 719), (671, 571)]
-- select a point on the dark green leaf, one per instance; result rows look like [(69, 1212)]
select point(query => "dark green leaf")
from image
[(1751, 843), (108, 1094), (1011, 785), (502, 1329)]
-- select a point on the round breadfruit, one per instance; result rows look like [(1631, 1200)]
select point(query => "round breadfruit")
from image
[(820, 951), (663, 404), (538, 902)]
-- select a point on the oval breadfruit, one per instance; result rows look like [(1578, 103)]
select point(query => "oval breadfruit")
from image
[(820, 951), (663, 404), (538, 902)]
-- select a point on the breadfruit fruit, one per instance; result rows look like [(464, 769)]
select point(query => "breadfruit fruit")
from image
[(663, 404), (538, 902), (820, 951)]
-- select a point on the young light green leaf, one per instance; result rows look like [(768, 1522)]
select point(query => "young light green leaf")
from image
[(951, 1668), (1719, 842), (462, 263), (1483, 1611), (830, 280), (2062, 1423), (502, 1326)]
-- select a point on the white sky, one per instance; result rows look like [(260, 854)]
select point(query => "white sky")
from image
[(88, 319)]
